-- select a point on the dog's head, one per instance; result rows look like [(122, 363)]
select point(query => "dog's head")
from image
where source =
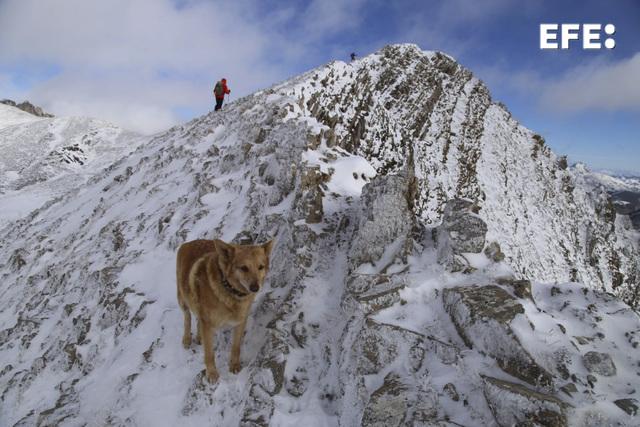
[(244, 265)]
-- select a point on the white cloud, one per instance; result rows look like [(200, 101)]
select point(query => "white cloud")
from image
[(598, 86)]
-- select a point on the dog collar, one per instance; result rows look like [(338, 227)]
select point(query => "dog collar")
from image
[(231, 289)]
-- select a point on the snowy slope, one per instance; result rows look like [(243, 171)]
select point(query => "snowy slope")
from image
[(10, 116), (358, 322), (47, 157)]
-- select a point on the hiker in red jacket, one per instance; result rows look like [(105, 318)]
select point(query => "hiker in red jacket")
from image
[(219, 91)]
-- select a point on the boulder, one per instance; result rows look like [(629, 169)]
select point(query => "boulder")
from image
[(379, 345), (396, 403), (387, 406), (385, 219), (630, 406), (494, 252), (462, 231), (599, 363), (515, 405), (482, 315), (375, 292)]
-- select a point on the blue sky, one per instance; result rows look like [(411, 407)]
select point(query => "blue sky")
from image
[(148, 64)]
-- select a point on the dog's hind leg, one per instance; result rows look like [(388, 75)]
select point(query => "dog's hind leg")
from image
[(186, 335), (234, 362)]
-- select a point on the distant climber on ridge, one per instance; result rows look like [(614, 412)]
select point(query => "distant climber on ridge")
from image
[(353, 56), (219, 91)]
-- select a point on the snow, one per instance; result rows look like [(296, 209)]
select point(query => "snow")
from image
[(11, 116), (88, 313)]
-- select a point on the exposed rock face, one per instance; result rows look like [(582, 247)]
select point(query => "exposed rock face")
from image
[(599, 363), (462, 231), (387, 405), (386, 219), (630, 406), (493, 251)]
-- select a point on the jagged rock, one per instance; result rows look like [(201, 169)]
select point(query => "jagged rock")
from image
[(630, 406), (396, 403), (375, 292), (387, 406), (379, 344), (482, 315), (521, 288), (27, 107), (461, 226), (312, 200), (461, 231), (385, 220), (513, 404), (451, 391), (494, 252), (599, 363), (569, 389)]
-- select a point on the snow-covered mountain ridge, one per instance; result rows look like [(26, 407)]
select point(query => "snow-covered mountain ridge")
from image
[(44, 157), (404, 106), (388, 301), (623, 188)]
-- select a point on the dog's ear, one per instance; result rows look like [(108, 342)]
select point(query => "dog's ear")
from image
[(267, 247), (225, 251)]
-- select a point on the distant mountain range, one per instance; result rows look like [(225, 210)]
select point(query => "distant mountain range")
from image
[(624, 188)]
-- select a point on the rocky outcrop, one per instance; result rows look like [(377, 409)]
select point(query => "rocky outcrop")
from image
[(27, 107), (513, 404), (462, 231), (599, 363), (385, 221), (482, 316)]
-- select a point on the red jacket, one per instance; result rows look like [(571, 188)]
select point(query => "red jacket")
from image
[(225, 90)]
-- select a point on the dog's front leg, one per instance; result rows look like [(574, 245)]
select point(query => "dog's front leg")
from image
[(198, 339), (238, 332), (186, 335), (207, 330)]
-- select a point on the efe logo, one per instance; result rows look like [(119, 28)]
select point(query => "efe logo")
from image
[(568, 32)]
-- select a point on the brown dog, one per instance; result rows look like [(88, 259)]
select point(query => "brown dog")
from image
[(218, 281)]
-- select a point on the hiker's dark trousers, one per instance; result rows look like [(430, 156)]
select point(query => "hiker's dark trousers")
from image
[(219, 103)]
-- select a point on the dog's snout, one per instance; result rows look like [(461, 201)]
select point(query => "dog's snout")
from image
[(254, 287)]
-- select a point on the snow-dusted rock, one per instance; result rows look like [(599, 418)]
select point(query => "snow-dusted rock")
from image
[(386, 220), (462, 231), (512, 404), (482, 315), (398, 404), (493, 252), (599, 363), (630, 406)]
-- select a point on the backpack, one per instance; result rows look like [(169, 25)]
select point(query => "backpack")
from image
[(218, 90)]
